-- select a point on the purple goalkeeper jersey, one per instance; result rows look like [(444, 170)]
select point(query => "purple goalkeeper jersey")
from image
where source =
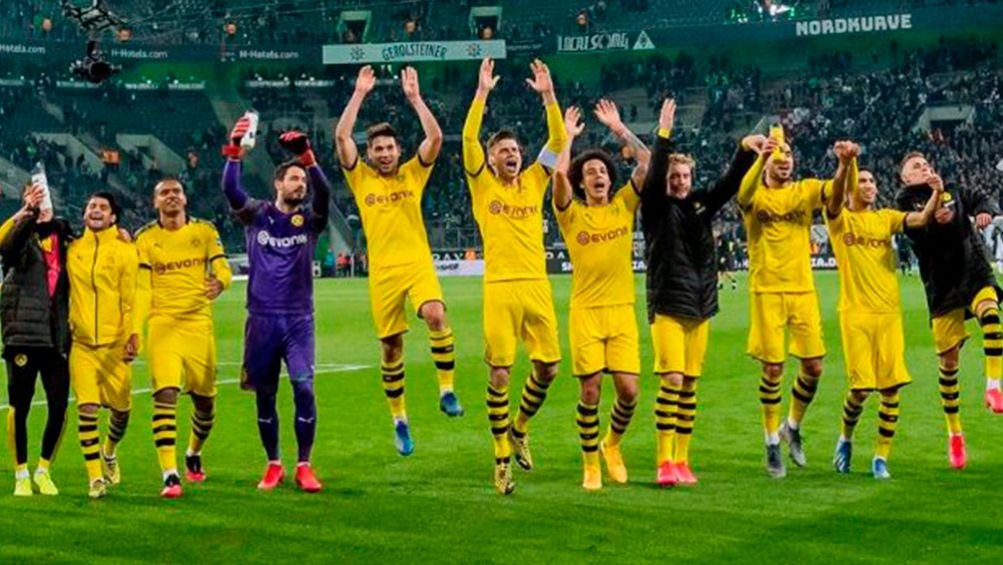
[(280, 246)]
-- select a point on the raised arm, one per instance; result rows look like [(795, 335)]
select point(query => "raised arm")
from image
[(846, 152), (653, 190), (17, 237), (607, 113), (562, 186), (978, 203), (473, 152), (922, 218), (558, 137), (751, 180), (428, 151), (321, 204), (345, 147), (727, 186)]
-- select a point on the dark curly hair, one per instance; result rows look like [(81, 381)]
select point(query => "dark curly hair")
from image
[(575, 173)]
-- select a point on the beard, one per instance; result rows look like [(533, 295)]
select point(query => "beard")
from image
[(293, 201)]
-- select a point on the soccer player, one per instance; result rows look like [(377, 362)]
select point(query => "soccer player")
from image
[(682, 284), (597, 225), (959, 284), (182, 269), (34, 317), (870, 313), (508, 206), (281, 237), (400, 261), (102, 270), (777, 213)]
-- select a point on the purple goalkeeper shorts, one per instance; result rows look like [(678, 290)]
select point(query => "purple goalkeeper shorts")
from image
[(268, 340)]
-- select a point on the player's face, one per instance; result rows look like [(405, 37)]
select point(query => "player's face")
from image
[(680, 180), (384, 153), (595, 179), (780, 166), (867, 188), (506, 159), (98, 214), (291, 189), (916, 171), (169, 198)]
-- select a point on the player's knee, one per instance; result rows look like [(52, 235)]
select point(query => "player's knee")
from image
[(166, 396), (545, 372), (392, 348), (949, 359), (627, 391), (773, 371), (591, 388), (434, 315), (499, 377), (119, 416), (674, 380), (203, 404), (812, 367), (860, 396), (89, 409)]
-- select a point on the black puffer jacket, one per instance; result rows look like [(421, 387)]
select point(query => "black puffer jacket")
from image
[(953, 260), (679, 240), (28, 315)]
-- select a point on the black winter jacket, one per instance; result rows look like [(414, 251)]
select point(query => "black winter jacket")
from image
[(29, 317), (679, 243)]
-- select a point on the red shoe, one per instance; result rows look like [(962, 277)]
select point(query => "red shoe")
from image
[(306, 480), (194, 473), (956, 451), (172, 487), (683, 474), (274, 475), (994, 400), (667, 474)]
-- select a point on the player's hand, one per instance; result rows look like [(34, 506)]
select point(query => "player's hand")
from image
[(541, 81), (239, 130), (754, 142), (608, 115), (935, 182), (943, 215), (846, 151), (486, 79), (409, 82), (131, 348), (983, 220), (32, 200), (213, 288), (366, 81), (297, 143), (769, 146), (124, 235), (573, 121), (667, 115)]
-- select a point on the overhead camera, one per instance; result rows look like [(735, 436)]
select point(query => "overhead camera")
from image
[(93, 67)]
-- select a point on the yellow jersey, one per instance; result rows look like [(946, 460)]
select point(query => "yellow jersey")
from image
[(778, 226), (390, 207), (174, 265), (510, 218), (600, 240), (862, 243), (102, 272)]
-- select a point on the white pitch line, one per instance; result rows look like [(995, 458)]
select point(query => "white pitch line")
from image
[(321, 369)]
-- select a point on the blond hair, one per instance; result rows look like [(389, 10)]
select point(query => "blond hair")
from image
[(681, 159)]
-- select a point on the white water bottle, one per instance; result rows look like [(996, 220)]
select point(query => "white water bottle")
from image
[(38, 179), (247, 142)]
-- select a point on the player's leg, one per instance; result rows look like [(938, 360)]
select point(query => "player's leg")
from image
[(889, 340), (85, 364), (805, 324), (502, 317), (768, 315), (392, 373), (202, 421), (21, 376), (260, 373), (622, 356), (200, 376), (441, 342), (55, 374), (949, 335), (668, 338), (498, 416), (987, 311), (116, 394), (853, 405), (299, 358), (696, 349), (888, 418), (539, 334), (165, 349), (587, 419)]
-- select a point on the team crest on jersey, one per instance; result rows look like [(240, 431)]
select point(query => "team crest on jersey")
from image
[(297, 220), (196, 242), (21, 360)]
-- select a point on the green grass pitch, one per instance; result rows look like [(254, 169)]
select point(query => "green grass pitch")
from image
[(439, 505)]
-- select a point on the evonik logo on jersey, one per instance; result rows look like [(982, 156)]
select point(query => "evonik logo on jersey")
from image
[(516, 212), (161, 268), (265, 239), (850, 239), (584, 237), (795, 217), (391, 198)]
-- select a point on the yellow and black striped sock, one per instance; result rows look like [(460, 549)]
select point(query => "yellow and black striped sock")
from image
[(619, 419), (992, 342), (950, 399), (165, 434), (802, 393), (533, 395), (202, 423), (393, 387), (444, 356), (770, 398), (888, 418), (666, 406), (497, 400), (90, 444), (685, 420), (588, 432), (853, 405), (118, 422)]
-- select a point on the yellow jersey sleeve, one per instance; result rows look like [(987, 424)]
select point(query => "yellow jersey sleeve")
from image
[(815, 192), (894, 218), (417, 174), (535, 179), (566, 217), (628, 196), (355, 176), (473, 152), (144, 287), (216, 256), (128, 273)]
